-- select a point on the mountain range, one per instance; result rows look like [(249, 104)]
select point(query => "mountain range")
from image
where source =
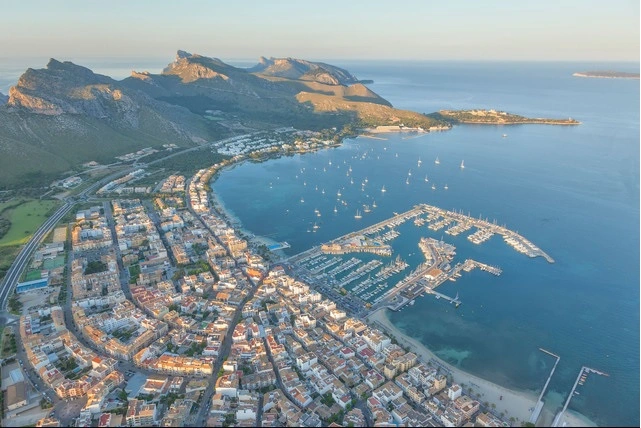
[(60, 116)]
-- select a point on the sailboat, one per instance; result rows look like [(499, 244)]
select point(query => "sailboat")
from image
[(323, 191), (463, 164), (446, 187), (407, 180), (335, 210), (374, 204), (426, 180), (302, 200), (365, 179), (366, 208), (419, 162), (338, 193), (315, 226), (433, 187), (383, 189), (437, 162), (358, 214), (351, 181)]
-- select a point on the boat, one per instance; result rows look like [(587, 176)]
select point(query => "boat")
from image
[(396, 154), (318, 214), (338, 194), (365, 179), (437, 162), (315, 226), (335, 210), (446, 187), (358, 214), (407, 181), (426, 180), (504, 135), (351, 181), (304, 183), (302, 200), (366, 208), (383, 189), (419, 162), (330, 162), (409, 173), (433, 187), (412, 303), (374, 204), (438, 297), (323, 191), (463, 164)]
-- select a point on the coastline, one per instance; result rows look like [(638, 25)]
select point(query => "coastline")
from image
[(233, 220), (533, 122), (513, 404)]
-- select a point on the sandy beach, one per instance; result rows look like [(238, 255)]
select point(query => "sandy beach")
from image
[(516, 404)]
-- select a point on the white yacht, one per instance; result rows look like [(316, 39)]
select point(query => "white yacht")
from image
[(463, 164), (437, 162), (358, 214)]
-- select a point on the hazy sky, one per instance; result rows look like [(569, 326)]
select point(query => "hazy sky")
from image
[(595, 30)]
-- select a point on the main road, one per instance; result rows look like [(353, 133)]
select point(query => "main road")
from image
[(19, 264)]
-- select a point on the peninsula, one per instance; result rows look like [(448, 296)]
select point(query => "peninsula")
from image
[(607, 74), (494, 117)]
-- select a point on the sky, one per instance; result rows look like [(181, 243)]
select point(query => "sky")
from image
[(542, 30)]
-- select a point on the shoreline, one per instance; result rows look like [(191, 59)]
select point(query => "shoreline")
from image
[(514, 403)]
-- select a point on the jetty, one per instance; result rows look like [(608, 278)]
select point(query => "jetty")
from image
[(539, 403), (580, 379)]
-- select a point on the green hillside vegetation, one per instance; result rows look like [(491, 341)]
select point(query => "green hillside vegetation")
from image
[(494, 117)]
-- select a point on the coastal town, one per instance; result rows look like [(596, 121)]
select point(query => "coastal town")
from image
[(158, 312)]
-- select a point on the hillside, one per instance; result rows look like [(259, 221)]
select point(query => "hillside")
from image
[(63, 115), (607, 74), (494, 117), (291, 68)]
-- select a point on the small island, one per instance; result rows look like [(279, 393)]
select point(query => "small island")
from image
[(607, 74), (494, 117)]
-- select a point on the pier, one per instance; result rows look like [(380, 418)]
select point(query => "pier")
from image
[(580, 379), (539, 403)]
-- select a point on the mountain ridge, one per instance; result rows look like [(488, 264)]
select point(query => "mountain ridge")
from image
[(60, 116)]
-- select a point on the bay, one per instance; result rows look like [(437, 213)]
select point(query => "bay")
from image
[(573, 191)]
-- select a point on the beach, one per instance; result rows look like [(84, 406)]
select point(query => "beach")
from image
[(511, 403)]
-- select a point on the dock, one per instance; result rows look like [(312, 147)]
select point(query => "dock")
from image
[(539, 403), (580, 379)]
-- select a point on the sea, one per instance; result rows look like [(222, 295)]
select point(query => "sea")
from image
[(571, 190)]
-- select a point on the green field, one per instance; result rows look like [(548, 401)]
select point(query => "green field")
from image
[(25, 219)]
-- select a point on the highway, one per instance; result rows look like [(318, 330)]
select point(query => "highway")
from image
[(19, 264)]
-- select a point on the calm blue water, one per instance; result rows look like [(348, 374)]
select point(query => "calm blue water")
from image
[(573, 191)]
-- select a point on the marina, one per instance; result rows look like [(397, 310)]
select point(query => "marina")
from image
[(437, 268)]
